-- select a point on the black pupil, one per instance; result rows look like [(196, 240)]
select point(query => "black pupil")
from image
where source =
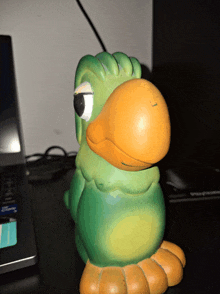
[(79, 103)]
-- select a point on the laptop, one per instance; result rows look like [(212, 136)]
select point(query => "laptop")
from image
[(17, 239)]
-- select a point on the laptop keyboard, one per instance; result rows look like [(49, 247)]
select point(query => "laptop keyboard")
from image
[(8, 208)]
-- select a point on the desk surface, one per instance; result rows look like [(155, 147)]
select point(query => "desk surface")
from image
[(194, 226)]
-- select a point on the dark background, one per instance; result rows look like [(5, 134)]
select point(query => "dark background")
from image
[(186, 69)]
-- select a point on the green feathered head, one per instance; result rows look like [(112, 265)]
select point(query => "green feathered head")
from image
[(96, 78)]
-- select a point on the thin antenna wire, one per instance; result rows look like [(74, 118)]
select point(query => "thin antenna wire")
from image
[(92, 26)]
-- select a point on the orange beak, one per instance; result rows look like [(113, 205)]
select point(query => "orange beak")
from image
[(132, 132)]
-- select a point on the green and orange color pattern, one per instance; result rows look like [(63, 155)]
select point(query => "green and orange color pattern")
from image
[(123, 128)]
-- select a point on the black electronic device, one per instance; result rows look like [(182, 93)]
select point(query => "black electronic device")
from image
[(17, 239)]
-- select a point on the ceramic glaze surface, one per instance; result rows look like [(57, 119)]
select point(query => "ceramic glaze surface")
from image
[(123, 128)]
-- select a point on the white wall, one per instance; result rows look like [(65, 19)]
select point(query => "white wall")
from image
[(49, 37)]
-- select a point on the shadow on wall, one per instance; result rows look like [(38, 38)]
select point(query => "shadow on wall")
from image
[(192, 94)]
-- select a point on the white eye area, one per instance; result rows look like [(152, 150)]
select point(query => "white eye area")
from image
[(83, 101), (88, 98)]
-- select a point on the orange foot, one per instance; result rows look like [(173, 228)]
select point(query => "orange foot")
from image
[(150, 276)]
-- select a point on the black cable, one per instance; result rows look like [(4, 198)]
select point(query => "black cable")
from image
[(47, 155), (92, 26), (49, 166)]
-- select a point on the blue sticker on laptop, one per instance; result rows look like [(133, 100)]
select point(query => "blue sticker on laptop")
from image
[(8, 225), (8, 232)]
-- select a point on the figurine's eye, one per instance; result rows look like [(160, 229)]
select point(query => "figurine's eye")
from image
[(83, 101)]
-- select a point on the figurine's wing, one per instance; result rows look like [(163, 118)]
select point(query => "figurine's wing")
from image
[(72, 196)]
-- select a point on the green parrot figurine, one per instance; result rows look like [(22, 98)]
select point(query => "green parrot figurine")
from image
[(123, 129)]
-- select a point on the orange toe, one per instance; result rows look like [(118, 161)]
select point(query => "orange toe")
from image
[(90, 279), (112, 281), (102, 280), (170, 264), (136, 280), (176, 250), (156, 276)]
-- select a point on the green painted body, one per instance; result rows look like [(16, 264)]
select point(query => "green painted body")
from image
[(119, 215)]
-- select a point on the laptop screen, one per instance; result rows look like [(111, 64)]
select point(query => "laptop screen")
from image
[(10, 133)]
